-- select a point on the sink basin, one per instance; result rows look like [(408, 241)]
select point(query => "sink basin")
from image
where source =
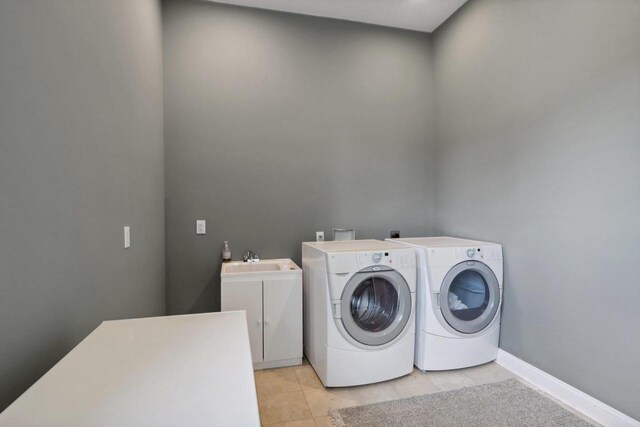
[(248, 267), (266, 266)]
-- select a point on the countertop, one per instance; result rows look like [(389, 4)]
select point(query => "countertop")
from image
[(191, 370)]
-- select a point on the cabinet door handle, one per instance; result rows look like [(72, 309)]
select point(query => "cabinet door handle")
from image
[(266, 322), (259, 322)]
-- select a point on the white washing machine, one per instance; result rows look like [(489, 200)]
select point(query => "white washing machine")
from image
[(359, 305), (459, 298)]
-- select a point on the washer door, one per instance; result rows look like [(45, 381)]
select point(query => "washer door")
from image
[(375, 305), (469, 297)]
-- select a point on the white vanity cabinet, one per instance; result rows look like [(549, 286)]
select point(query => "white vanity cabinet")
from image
[(270, 291)]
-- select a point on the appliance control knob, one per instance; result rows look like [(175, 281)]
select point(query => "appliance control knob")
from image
[(376, 257), (471, 253)]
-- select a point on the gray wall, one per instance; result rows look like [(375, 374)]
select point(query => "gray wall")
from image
[(538, 147), (80, 157), (278, 125)]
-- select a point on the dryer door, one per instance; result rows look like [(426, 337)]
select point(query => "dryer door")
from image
[(469, 297), (375, 305)]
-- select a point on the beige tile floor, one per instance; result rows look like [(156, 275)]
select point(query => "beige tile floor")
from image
[(295, 397)]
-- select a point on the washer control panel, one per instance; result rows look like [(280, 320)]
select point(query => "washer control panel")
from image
[(396, 259), (371, 258)]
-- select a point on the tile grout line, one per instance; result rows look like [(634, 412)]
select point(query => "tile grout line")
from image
[(305, 399), (305, 396)]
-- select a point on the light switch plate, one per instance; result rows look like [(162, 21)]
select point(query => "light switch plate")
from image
[(127, 237), (201, 226), (319, 236)]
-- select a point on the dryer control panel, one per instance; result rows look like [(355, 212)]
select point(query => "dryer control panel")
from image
[(447, 256), (487, 252), (469, 253)]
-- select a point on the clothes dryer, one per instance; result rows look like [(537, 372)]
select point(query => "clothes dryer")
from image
[(459, 298)]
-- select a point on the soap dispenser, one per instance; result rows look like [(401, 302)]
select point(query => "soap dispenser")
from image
[(226, 252)]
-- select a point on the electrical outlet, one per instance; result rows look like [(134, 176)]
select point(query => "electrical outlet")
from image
[(127, 237), (319, 236), (394, 234), (201, 226)]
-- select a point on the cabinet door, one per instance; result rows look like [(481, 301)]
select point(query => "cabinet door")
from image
[(246, 296), (282, 319)]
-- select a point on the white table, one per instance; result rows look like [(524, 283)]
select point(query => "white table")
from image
[(192, 370)]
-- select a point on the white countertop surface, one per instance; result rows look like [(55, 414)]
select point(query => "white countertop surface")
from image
[(192, 370)]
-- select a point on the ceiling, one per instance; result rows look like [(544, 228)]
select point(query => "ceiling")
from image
[(419, 15)]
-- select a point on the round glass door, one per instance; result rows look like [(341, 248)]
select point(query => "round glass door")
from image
[(375, 306), (469, 297)]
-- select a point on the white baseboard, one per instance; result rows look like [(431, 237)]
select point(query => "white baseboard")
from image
[(570, 396)]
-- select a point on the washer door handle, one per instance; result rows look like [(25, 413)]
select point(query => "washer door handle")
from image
[(336, 307), (436, 299)]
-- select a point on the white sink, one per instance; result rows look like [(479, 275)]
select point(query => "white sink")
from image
[(265, 266), (249, 267)]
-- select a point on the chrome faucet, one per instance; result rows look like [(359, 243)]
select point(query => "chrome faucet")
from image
[(250, 256)]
